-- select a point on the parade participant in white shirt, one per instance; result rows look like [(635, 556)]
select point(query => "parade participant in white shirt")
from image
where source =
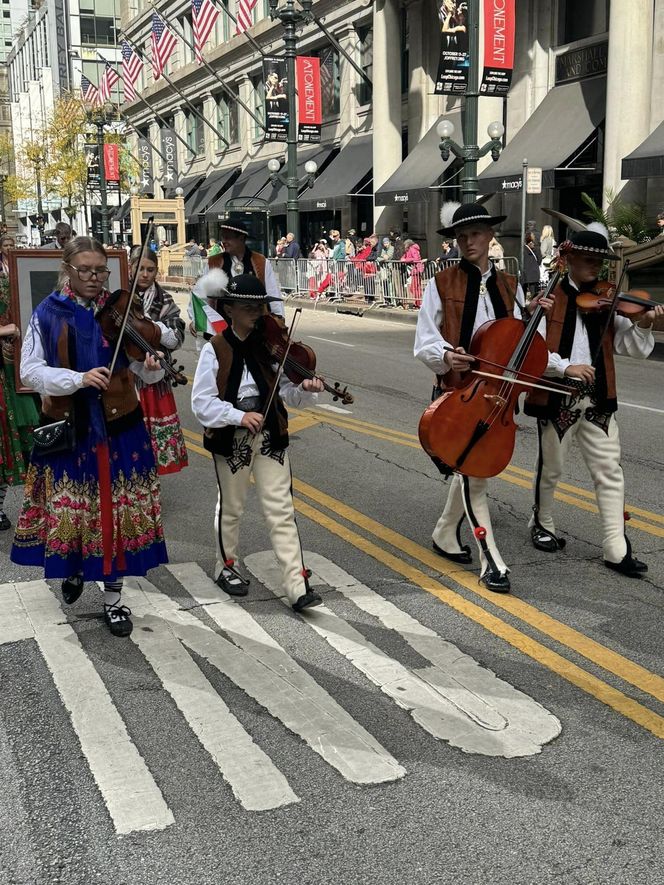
[(456, 302), (231, 393), (238, 258), (580, 355)]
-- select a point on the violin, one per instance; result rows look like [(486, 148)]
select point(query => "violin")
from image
[(301, 359), (141, 335), (630, 304)]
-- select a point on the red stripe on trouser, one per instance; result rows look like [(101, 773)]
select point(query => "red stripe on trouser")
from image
[(111, 540)]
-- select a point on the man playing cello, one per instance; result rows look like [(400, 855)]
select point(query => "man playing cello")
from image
[(456, 302)]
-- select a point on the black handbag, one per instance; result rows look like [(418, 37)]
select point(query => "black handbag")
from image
[(51, 439)]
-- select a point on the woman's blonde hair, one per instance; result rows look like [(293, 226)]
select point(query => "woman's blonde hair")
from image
[(75, 247), (136, 254), (547, 231)]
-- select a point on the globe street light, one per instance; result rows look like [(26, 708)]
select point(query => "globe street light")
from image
[(291, 18)]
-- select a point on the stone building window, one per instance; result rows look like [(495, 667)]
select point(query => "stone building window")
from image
[(365, 38), (577, 21)]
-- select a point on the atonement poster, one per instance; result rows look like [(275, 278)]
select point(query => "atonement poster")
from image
[(452, 76), (276, 99), (309, 102), (498, 47)]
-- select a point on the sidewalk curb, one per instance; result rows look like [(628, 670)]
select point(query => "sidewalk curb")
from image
[(366, 311)]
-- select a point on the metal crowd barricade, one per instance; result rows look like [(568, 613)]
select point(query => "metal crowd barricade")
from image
[(376, 284)]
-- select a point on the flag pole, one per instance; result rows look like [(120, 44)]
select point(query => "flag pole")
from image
[(179, 92), (209, 67), (159, 118), (246, 33)]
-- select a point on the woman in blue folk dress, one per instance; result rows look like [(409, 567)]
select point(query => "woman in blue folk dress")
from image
[(92, 513)]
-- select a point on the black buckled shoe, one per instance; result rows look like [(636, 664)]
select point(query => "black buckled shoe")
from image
[(465, 556), (495, 582), (629, 566), (118, 619), (72, 589), (232, 584), (547, 541), (4, 522), (307, 600)]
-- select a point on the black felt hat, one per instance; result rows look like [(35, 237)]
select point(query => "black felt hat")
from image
[(235, 223), (466, 214), (593, 242), (248, 289)]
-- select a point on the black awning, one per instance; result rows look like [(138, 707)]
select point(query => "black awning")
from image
[(122, 211), (647, 159), (252, 181), (341, 178), (420, 173), (211, 188), (321, 154), (564, 121)]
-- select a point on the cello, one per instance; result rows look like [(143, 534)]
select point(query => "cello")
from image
[(470, 429)]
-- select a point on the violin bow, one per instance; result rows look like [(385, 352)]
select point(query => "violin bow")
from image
[(612, 313), (132, 292), (280, 367)]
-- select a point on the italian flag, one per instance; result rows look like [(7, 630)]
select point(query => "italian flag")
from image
[(206, 320)]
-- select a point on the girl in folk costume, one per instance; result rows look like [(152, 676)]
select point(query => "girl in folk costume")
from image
[(581, 351), (234, 381), (157, 400), (18, 414), (92, 510)]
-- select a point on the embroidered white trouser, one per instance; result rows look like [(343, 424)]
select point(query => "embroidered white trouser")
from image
[(474, 505), (601, 452), (272, 476)]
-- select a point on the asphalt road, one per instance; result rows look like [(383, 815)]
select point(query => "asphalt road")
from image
[(377, 749)]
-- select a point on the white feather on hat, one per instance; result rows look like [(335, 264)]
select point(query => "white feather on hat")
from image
[(213, 284), (599, 228), (447, 212)]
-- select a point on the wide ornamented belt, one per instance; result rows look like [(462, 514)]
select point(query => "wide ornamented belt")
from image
[(250, 404)]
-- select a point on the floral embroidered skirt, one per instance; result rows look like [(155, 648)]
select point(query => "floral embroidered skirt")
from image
[(18, 416), (163, 424), (95, 510)]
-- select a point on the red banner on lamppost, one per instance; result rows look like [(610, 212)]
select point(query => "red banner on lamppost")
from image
[(499, 24), (112, 162), (309, 101)]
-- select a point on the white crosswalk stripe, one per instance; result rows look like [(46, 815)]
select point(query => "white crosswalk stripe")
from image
[(113, 759), (455, 699)]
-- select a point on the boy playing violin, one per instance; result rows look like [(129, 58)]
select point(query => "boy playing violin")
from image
[(246, 430), (587, 416)]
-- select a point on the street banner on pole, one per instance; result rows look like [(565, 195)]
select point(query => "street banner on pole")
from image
[(169, 150), (452, 76), (92, 160), (309, 99), (112, 167), (147, 171), (276, 99), (112, 162), (499, 24)]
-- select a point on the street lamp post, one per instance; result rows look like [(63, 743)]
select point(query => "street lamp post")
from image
[(40, 205), (290, 17), (3, 179), (470, 153), (99, 119)]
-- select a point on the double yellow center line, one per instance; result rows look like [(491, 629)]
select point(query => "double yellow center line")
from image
[(537, 621)]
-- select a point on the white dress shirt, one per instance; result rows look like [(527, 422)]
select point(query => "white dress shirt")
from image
[(211, 411), (51, 381), (629, 340), (429, 343), (271, 285)]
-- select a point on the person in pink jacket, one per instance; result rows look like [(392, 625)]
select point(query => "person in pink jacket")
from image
[(413, 258)]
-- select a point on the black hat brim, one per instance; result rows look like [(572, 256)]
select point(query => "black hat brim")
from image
[(488, 220)]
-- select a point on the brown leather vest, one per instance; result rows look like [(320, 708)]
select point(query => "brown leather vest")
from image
[(451, 284), (220, 439), (542, 403), (258, 262), (118, 401)]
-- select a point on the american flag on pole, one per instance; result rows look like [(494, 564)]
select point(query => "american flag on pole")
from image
[(163, 43), (131, 68), (108, 80), (90, 93), (245, 17), (204, 16)]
